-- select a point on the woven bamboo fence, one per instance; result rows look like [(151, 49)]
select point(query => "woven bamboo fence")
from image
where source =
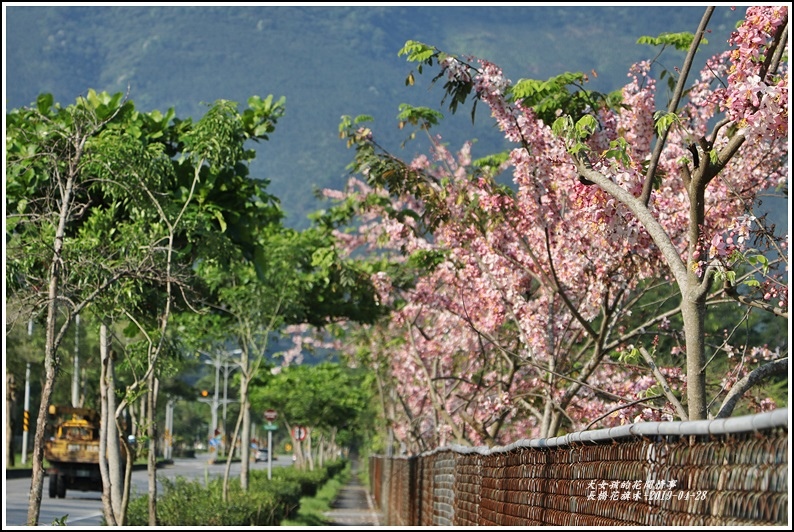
[(730, 472)]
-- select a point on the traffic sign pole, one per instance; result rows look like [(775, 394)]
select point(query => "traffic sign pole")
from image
[(270, 416), (269, 454)]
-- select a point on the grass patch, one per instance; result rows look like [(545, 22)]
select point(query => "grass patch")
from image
[(312, 509), (18, 462)]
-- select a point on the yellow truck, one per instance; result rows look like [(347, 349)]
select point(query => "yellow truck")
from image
[(72, 450)]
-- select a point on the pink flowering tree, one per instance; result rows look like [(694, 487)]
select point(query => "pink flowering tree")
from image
[(745, 92), (483, 347), (530, 308)]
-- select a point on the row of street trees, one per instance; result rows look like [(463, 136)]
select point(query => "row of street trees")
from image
[(627, 272), (152, 228), (330, 402)]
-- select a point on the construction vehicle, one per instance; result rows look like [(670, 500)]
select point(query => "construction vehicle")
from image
[(72, 450)]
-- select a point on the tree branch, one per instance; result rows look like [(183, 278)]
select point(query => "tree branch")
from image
[(751, 379), (668, 393), (621, 407), (671, 108)]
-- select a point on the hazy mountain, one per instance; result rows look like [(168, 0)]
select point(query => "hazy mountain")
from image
[(326, 61)]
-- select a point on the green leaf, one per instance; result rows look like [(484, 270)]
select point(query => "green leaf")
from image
[(630, 357), (562, 125), (21, 205), (494, 160), (417, 52), (618, 150), (586, 126), (423, 117), (681, 41), (663, 120), (759, 259), (653, 391), (44, 102), (221, 221)]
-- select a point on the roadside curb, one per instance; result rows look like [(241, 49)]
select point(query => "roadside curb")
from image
[(27, 473)]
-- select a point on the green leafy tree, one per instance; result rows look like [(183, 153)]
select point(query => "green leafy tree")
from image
[(327, 399), (288, 278), (109, 208), (48, 193)]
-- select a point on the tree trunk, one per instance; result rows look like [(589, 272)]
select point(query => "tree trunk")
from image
[(693, 312), (114, 450), (309, 448), (245, 411), (245, 440), (151, 462), (106, 413), (11, 401), (51, 364)]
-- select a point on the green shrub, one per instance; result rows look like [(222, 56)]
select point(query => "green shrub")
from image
[(190, 503), (310, 481), (267, 502)]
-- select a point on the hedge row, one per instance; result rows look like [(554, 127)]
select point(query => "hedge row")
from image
[(185, 502)]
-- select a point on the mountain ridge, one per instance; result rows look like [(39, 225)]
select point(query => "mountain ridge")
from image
[(326, 61)]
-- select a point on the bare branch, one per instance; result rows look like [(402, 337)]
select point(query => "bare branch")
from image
[(671, 108), (621, 407), (668, 393), (759, 374)]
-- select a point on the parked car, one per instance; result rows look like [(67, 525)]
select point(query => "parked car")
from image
[(261, 455)]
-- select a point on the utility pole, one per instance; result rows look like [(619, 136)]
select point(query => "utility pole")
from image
[(228, 367), (213, 361), (26, 412), (220, 358), (169, 428), (76, 373), (214, 426)]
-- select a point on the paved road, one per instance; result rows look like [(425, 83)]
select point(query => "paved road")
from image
[(353, 505)]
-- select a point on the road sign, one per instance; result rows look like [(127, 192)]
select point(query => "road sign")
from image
[(270, 426), (271, 415), (299, 433)]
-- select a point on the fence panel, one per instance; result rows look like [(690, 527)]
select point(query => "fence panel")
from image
[(712, 473)]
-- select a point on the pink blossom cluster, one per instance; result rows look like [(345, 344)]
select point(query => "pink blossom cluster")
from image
[(758, 104), (774, 290), (455, 69), (635, 123)]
